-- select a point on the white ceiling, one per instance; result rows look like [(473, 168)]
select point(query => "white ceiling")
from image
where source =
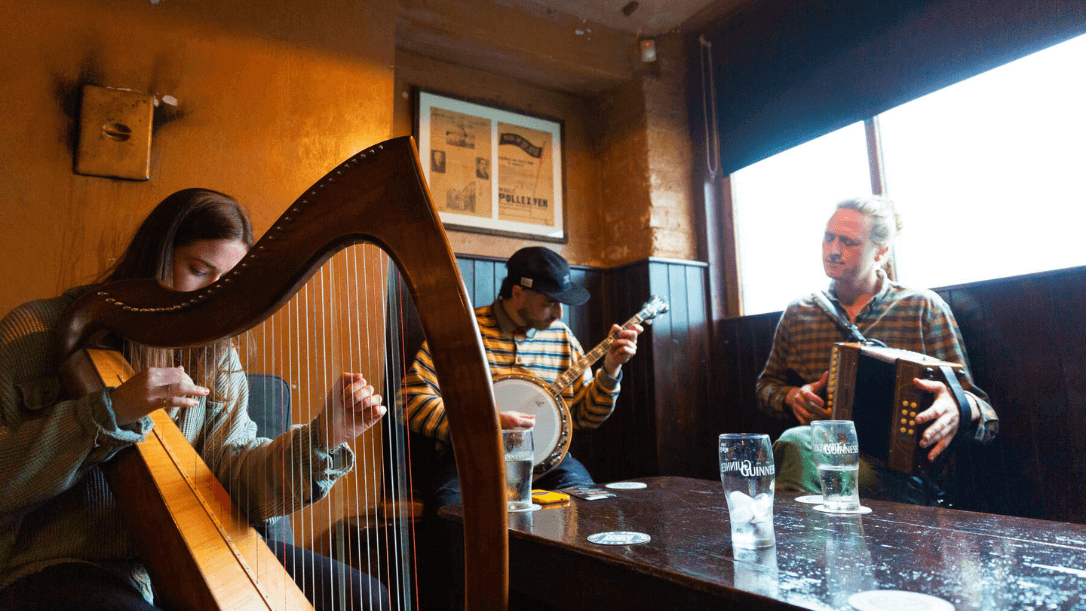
[(650, 17)]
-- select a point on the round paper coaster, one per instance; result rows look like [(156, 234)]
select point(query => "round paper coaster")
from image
[(897, 600), (532, 508), (810, 499), (626, 485), (860, 509), (619, 537)]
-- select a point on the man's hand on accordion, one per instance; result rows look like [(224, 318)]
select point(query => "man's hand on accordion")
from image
[(943, 415), (806, 402)]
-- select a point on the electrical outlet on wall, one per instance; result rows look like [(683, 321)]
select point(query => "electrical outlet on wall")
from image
[(114, 133)]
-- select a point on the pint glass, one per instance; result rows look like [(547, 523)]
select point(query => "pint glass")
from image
[(747, 473), (837, 456)]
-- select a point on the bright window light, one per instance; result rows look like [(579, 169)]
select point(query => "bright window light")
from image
[(988, 173), (781, 207)]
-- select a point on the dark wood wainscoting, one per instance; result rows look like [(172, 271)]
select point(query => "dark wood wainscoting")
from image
[(1025, 339)]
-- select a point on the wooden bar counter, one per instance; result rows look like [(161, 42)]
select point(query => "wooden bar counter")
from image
[(972, 560)]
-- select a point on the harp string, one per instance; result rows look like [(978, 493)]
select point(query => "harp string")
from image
[(361, 490), (335, 323), (304, 343), (405, 489), (395, 452), (400, 364)]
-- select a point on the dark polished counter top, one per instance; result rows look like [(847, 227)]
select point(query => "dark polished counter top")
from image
[(972, 560)]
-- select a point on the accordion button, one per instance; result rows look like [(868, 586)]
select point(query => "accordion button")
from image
[(902, 429), (912, 423), (910, 431), (912, 414), (904, 412), (913, 405), (905, 404)]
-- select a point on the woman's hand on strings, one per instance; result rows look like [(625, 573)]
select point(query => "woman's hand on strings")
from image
[(351, 408), (154, 388)]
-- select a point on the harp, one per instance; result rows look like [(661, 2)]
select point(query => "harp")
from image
[(378, 197), (873, 387)]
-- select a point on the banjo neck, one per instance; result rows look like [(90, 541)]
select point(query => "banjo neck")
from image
[(650, 310)]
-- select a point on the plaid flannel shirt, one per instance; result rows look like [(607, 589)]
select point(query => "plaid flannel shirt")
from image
[(903, 318)]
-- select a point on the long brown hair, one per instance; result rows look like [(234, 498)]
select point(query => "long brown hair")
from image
[(186, 217)]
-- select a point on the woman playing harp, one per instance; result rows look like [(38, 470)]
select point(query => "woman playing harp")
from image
[(63, 544)]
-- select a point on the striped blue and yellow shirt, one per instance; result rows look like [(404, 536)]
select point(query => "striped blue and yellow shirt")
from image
[(544, 354), (908, 319)]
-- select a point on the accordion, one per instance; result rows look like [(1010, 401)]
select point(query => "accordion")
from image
[(873, 387)]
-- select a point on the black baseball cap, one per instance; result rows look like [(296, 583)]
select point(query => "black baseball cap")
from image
[(546, 272)]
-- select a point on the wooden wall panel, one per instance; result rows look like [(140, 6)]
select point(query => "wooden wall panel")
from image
[(657, 426), (1022, 335), (623, 444)]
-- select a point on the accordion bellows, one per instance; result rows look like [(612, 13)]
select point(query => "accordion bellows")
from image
[(873, 387)]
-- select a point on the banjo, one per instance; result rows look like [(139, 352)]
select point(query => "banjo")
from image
[(530, 395)]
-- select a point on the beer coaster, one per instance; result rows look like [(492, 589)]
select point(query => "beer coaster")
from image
[(532, 508), (897, 600), (810, 499), (860, 509), (619, 537), (626, 485)]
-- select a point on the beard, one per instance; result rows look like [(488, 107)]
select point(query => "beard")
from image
[(539, 324)]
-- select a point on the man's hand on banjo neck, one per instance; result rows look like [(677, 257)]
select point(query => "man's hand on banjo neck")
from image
[(623, 348)]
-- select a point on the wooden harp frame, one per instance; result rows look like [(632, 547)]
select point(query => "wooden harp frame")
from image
[(377, 196)]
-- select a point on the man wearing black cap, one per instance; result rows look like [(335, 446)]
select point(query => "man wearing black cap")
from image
[(522, 334)]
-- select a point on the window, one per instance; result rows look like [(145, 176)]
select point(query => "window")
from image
[(781, 206), (1002, 194), (986, 174)]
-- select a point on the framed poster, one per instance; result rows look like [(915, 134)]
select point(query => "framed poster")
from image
[(491, 170)]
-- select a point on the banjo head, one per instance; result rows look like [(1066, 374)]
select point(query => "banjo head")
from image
[(551, 434)]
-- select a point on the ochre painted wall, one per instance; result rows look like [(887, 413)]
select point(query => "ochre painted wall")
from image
[(672, 215), (627, 156), (271, 96)]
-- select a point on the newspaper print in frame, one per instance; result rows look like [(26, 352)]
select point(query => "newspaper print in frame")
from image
[(491, 170)]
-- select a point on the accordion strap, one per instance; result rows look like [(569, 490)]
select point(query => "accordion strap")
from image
[(965, 413), (853, 331)]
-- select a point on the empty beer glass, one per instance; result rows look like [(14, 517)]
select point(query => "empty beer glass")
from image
[(837, 457), (747, 473)]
